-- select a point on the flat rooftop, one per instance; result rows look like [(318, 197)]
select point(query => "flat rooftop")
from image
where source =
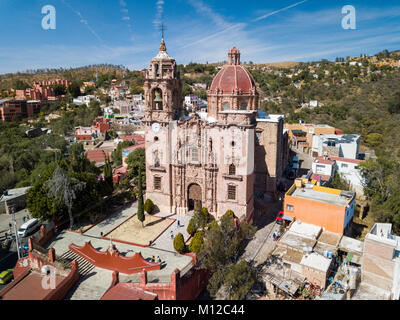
[(320, 196), (14, 193), (330, 238), (30, 288), (296, 241), (305, 230), (316, 261), (351, 245)]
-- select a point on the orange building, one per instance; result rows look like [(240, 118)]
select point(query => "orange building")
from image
[(328, 208)]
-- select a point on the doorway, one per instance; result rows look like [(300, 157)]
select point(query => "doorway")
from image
[(194, 194)]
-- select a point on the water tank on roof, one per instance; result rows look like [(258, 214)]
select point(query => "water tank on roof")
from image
[(330, 255)]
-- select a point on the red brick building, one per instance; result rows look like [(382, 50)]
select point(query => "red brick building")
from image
[(10, 108)]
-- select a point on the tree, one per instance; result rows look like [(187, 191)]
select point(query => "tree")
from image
[(338, 182), (222, 247), (238, 280), (149, 206), (59, 89), (179, 243), (108, 178), (374, 139), (136, 162), (191, 228), (62, 187), (140, 212), (382, 187), (75, 90), (116, 155), (196, 243)]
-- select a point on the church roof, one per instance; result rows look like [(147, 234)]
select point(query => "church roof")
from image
[(234, 77)]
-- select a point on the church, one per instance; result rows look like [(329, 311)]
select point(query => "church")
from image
[(224, 157)]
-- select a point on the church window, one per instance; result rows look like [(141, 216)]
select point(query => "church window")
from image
[(157, 183), (227, 106), (195, 155), (157, 99), (231, 192), (243, 106), (232, 170)]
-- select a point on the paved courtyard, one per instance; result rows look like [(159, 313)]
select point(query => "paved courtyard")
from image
[(165, 242), (133, 231), (112, 222)]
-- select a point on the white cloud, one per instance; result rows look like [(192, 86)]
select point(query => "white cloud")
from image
[(83, 21), (278, 11)]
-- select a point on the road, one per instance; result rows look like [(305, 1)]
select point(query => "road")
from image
[(6, 219), (263, 244)]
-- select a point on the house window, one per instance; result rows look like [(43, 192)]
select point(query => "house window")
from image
[(232, 170), (157, 183), (289, 207), (344, 165), (231, 192)]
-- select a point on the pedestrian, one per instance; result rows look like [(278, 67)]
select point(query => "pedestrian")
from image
[(179, 224), (279, 235), (172, 235), (274, 236), (159, 259)]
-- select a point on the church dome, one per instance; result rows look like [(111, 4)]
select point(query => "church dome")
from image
[(234, 77)]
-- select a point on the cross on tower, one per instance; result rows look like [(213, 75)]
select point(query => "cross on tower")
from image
[(162, 29)]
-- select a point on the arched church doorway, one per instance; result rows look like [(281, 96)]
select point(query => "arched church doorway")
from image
[(194, 194)]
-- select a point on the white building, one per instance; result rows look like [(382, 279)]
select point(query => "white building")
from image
[(349, 170), (138, 98), (343, 146), (84, 100), (194, 102), (324, 169)]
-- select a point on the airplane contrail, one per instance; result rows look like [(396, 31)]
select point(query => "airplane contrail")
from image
[(275, 12)]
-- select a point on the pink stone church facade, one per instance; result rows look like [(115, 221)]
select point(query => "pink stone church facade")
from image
[(221, 158)]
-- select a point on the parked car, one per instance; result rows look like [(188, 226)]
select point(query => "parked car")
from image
[(6, 276), (28, 227), (279, 218)]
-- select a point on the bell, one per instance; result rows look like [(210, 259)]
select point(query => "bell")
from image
[(158, 98)]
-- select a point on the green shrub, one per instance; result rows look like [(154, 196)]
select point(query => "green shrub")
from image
[(191, 228), (230, 213), (149, 206), (213, 224), (179, 243), (205, 213), (196, 243)]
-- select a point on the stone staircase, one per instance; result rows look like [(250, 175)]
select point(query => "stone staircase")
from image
[(84, 266)]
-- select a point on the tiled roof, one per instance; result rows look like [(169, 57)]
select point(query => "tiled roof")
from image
[(97, 155)]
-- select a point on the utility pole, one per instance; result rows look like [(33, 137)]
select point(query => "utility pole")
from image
[(16, 234)]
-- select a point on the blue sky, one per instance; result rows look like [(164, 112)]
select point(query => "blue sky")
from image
[(124, 31)]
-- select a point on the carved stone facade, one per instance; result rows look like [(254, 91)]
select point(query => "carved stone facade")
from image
[(208, 157)]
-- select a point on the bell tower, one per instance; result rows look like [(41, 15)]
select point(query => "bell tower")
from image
[(163, 88)]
